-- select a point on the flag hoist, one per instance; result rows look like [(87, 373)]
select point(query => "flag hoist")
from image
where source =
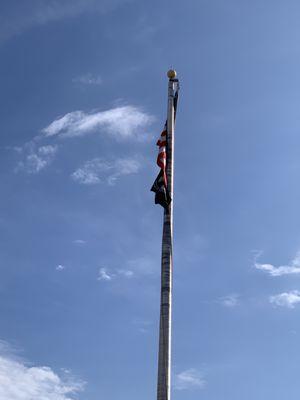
[(163, 188)]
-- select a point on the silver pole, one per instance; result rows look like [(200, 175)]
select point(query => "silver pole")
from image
[(164, 355)]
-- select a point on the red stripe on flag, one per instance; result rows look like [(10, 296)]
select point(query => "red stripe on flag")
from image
[(162, 154)]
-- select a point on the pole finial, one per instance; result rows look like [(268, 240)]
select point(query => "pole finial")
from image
[(171, 74)]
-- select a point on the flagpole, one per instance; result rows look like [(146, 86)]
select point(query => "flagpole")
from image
[(164, 354)]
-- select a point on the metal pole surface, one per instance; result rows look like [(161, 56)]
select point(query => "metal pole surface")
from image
[(164, 355)]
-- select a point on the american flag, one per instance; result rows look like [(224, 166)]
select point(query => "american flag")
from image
[(160, 185), (162, 153)]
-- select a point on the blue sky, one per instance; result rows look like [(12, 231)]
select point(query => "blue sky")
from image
[(83, 100)]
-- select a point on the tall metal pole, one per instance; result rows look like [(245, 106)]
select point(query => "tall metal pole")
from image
[(164, 355)]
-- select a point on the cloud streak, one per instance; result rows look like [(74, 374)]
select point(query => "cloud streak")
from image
[(88, 79), (101, 171), (125, 122), (143, 265), (105, 275), (189, 379), (35, 159), (79, 241), (21, 16), (230, 301), (293, 268), (286, 299), (21, 381)]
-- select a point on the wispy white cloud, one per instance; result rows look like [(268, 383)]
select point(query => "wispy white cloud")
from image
[(107, 275), (99, 171), (125, 272), (142, 325), (23, 16), (79, 241), (189, 379), (104, 275), (286, 299), (143, 266), (230, 301), (121, 122), (22, 381), (17, 149), (88, 79), (292, 268), (36, 158)]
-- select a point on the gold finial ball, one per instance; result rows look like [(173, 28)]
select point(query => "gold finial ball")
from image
[(171, 74)]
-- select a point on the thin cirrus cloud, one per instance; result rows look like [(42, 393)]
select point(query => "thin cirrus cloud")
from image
[(143, 265), (189, 379), (88, 79), (79, 241), (286, 299), (292, 268), (35, 159), (22, 381), (21, 16), (106, 275), (230, 301), (134, 268), (121, 123), (142, 325), (102, 171)]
